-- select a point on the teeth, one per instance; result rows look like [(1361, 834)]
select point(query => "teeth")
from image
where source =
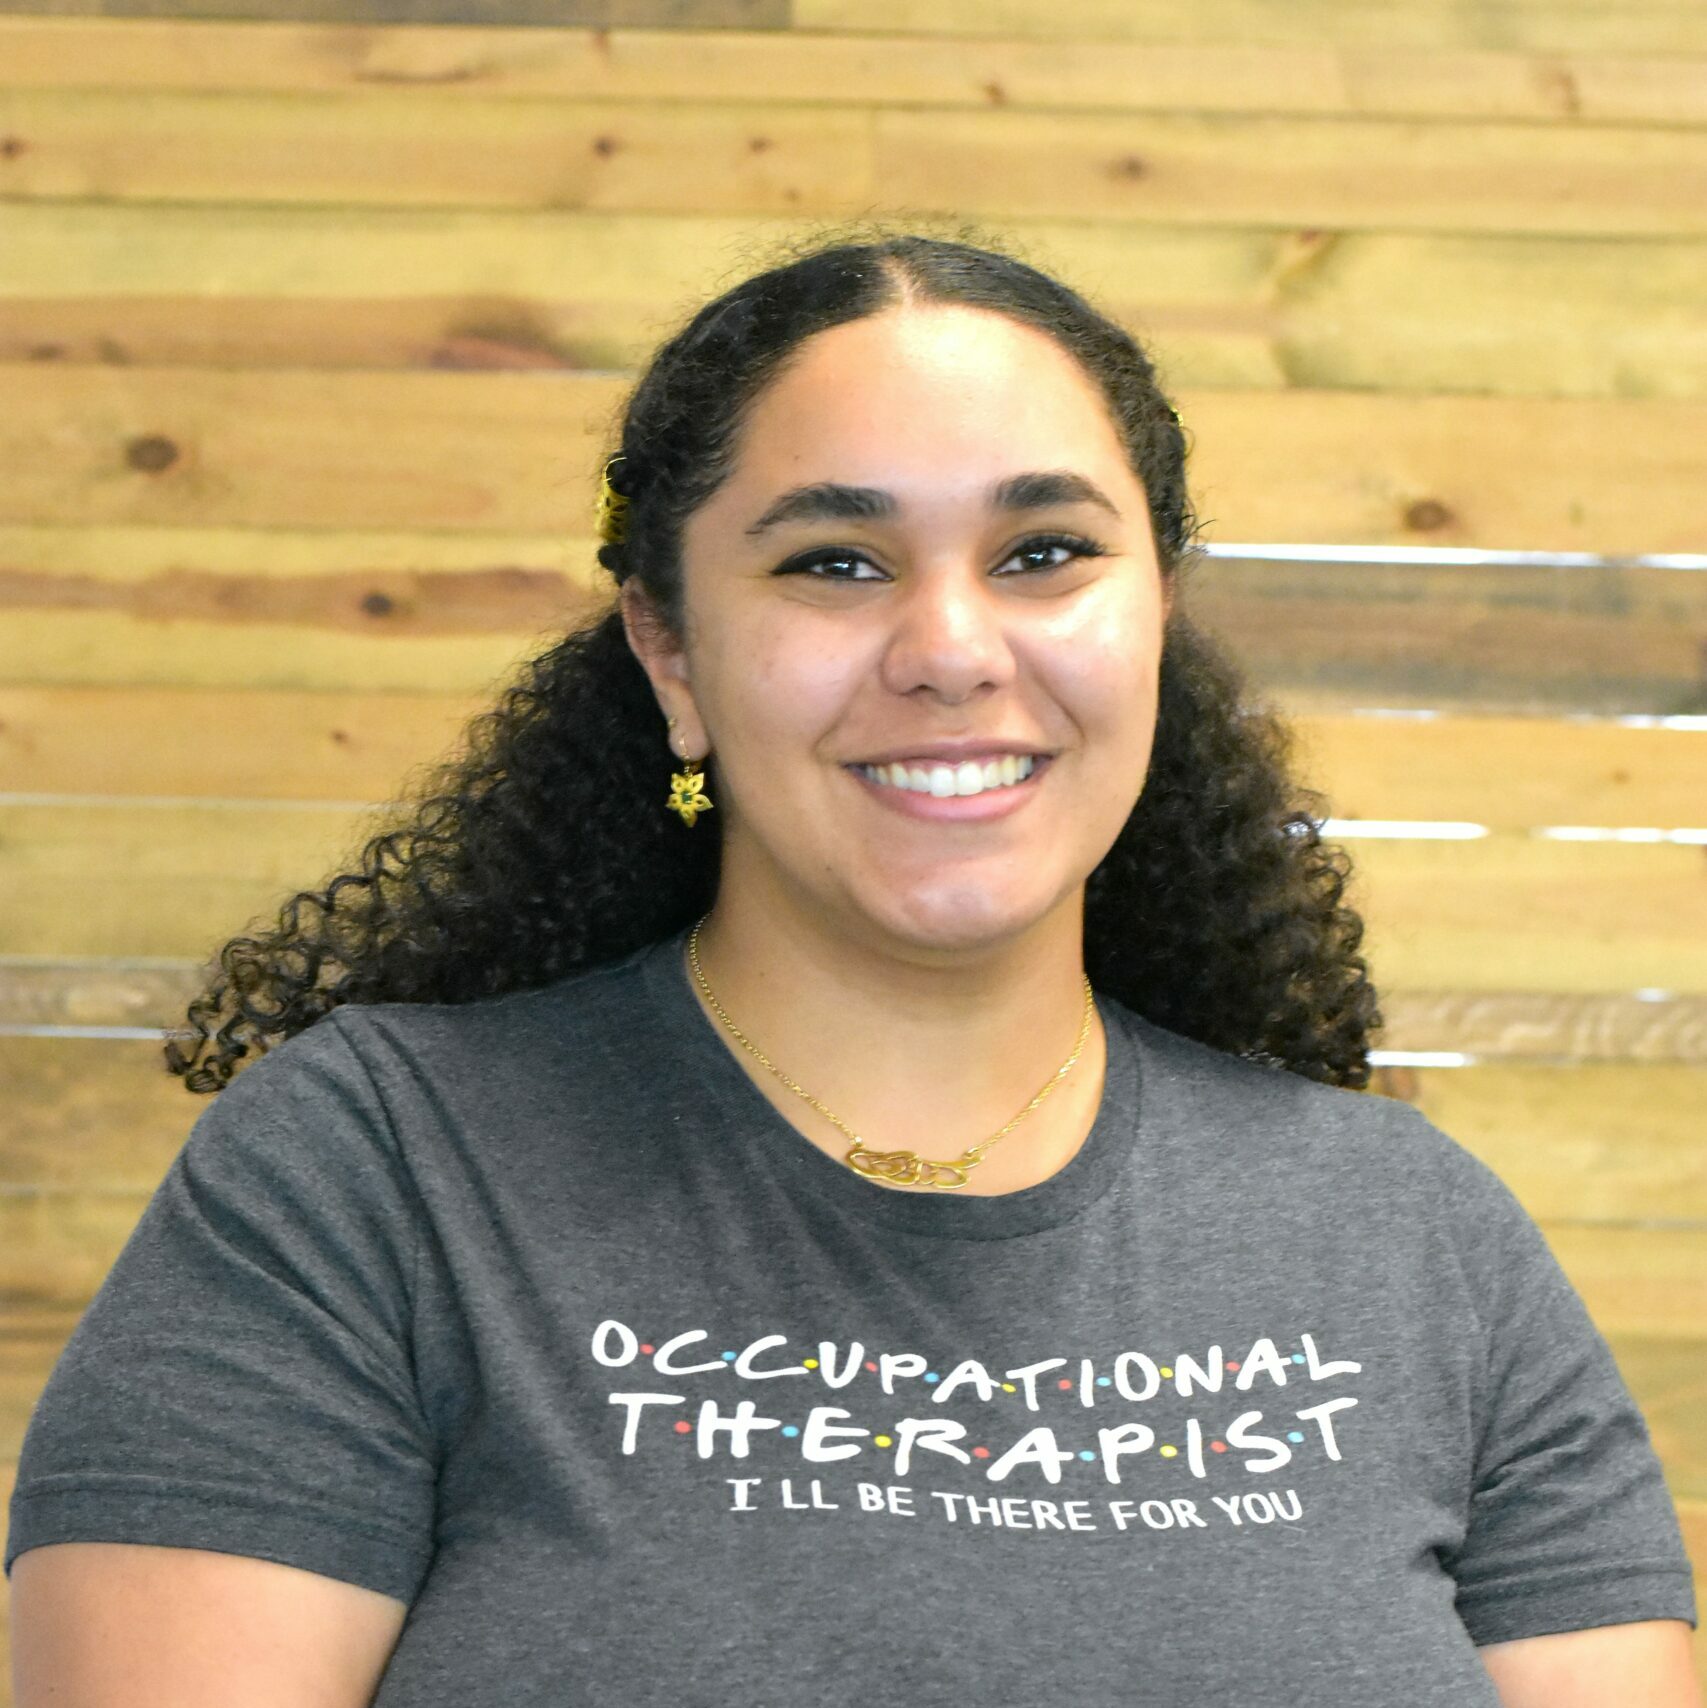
[(969, 778)]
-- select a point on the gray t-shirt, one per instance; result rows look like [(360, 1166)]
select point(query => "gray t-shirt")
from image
[(534, 1313)]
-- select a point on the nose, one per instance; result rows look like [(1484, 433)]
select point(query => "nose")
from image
[(949, 634)]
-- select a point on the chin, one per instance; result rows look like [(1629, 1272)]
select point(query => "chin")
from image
[(965, 920)]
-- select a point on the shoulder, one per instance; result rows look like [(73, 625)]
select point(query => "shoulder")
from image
[(587, 1008), (1265, 1124), (438, 1077)]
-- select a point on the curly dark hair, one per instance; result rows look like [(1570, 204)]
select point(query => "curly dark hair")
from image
[(543, 846)]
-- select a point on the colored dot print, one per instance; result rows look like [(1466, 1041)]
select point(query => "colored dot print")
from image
[(1064, 1384)]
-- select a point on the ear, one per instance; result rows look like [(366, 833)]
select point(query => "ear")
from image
[(661, 656)]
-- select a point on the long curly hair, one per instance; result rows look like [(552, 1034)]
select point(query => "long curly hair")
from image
[(543, 847)]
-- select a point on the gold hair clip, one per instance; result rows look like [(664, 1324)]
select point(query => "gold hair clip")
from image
[(613, 508)]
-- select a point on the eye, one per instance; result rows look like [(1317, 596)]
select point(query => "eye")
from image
[(810, 563), (1073, 545)]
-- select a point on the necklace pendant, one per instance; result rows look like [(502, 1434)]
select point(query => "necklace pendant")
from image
[(905, 1168)]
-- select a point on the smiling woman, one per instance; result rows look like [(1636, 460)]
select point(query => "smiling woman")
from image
[(671, 1238)]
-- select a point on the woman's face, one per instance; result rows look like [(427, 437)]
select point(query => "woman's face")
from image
[(826, 632)]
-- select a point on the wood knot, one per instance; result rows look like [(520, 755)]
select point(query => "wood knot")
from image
[(1564, 90), (605, 145), (1427, 514), (1129, 166), (152, 453), (758, 144), (378, 604), (995, 94), (11, 147)]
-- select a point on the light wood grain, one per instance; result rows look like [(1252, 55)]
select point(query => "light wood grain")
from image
[(241, 286), (851, 68), (412, 148)]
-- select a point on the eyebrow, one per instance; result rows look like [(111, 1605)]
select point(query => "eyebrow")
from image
[(830, 501)]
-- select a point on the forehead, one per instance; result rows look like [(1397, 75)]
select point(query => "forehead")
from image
[(921, 387)]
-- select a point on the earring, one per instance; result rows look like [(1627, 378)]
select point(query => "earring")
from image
[(687, 787)]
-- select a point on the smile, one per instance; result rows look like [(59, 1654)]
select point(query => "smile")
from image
[(969, 778), (940, 799)]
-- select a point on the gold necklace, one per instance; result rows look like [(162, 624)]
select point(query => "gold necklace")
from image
[(902, 1168)]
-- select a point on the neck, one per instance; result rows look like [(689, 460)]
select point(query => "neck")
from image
[(928, 1048)]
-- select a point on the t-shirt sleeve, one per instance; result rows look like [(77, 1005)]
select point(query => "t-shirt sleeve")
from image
[(243, 1379), (1570, 1521)]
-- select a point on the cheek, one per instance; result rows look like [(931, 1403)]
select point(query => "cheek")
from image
[(783, 685), (1101, 666)]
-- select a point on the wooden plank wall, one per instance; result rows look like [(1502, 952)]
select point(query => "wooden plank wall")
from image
[(311, 327)]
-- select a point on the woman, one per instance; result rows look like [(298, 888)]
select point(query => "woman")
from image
[(885, 1219)]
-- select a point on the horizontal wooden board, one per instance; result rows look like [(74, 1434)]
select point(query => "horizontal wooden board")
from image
[(408, 147), (1625, 1027), (1591, 26), (1502, 912), (1513, 912), (288, 608), (1510, 773), (385, 611), (245, 286), (1613, 639), (520, 452), (468, 451), (854, 68), (1345, 174)]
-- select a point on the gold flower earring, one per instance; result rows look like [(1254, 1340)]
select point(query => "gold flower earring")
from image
[(687, 787)]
